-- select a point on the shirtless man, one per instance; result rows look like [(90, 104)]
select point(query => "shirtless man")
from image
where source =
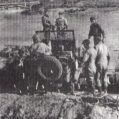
[(89, 64), (102, 63), (38, 47)]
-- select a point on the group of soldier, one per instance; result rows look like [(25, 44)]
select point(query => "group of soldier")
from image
[(93, 58), (42, 45), (60, 24)]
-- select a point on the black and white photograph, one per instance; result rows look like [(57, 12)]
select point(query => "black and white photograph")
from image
[(59, 59)]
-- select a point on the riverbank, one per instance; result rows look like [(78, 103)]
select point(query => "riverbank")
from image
[(57, 106), (98, 3), (81, 3), (72, 3)]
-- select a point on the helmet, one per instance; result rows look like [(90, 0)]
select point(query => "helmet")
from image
[(92, 18)]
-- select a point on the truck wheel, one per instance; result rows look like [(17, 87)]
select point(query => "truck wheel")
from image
[(50, 68)]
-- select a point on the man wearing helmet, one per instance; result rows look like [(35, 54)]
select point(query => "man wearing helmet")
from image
[(61, 25)]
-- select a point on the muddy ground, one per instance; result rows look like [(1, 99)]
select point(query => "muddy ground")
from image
[(57, 106)]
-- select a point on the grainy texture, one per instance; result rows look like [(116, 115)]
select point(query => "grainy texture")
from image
[(17, 29)]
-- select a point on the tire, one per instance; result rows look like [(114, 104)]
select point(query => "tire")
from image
[(50, 68)]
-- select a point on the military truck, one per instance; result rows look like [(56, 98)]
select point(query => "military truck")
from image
[(58, 69), (25, 72)]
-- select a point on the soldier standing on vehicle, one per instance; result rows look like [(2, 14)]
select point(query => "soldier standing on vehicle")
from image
[(46, 26), (102, 62), (61, 24), (95, 30), (89, 64)]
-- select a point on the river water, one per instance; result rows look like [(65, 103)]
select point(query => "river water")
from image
[(18, 29)]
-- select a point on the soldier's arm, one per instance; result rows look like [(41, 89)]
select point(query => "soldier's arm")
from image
[(102, 31), (47, 50), (31, 48), (56, 23), (85, 59), (108, 57), (66, 23), (90, 32), (81, 52), (44, 21)]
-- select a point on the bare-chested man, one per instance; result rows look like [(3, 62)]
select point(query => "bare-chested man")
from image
[(102, 63), (90, 67)]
